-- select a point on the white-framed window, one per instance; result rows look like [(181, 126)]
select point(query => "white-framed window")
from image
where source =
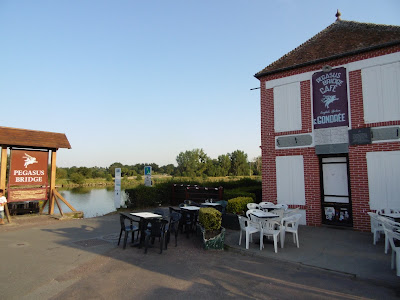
[(381, 93), (290, 180), (383, 179), (287, 107)]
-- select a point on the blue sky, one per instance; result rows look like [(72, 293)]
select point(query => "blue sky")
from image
[(142, 81)]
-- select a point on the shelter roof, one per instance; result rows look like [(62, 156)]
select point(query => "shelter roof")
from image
[(341, 38), (33, 138)]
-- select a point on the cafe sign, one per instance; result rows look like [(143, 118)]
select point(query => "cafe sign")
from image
[(330, 108)]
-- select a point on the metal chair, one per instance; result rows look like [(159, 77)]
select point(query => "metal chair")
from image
[(127, 229)]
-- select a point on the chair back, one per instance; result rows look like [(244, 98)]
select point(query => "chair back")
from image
[(157, 228), (392, 236), (250, 211), (266, 203), (375, 220), (253, 206), (243, 221), (278, 212), (388, 224), (269, 225), (122, 221), (295, 221), (281, 206), (223, 204), (291, 212)]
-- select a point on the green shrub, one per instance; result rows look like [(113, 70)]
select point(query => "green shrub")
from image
[(144, 197), (230, 194), (238, 205), (77, 178), (210, 218)]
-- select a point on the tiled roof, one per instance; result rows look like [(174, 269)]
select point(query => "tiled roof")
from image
[(33, 138), (341, 38)]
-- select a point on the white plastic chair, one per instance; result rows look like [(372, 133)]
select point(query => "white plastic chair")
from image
[(291, 225), (391, 236), (253, 206), (250, 211), (281, 206), (266, 203), (388, 225), (270, 228), (249, 227), (376, 226), (291, 212)]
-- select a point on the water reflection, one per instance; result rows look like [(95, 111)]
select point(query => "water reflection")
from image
[(93, 202)]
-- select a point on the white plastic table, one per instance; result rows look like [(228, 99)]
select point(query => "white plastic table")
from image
[(264, 214), (190, 207)]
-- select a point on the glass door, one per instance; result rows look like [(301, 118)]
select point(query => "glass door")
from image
[(336, 199)]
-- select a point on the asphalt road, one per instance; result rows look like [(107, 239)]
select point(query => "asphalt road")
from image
[(79, 259)]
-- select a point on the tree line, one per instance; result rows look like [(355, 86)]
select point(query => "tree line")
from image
[(191, 163)]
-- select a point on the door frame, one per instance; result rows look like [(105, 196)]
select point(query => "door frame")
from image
[(349, 206)]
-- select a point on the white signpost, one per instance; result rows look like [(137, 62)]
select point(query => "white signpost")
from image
[(117, 188), (147, 176)]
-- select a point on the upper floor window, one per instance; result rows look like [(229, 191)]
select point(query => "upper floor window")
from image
[(381, 93), (287, 107)]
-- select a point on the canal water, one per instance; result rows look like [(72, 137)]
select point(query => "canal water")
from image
[(93, 202)]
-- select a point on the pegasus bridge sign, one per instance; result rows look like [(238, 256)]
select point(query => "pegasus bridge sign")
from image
[(28, 178)]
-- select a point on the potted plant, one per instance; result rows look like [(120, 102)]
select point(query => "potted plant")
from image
[(210, 225), (236, 206)]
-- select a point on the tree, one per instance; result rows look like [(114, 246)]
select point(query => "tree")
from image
[(192, 163), (111, 168), (61, 173), (225, 164), (239, 163), (256, 165)]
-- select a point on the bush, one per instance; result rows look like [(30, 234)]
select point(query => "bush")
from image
[(77, 178), (210, 219), (144, 197), (230, 194), (238, 205)]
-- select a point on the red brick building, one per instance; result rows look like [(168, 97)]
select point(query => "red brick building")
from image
[(330, 122)]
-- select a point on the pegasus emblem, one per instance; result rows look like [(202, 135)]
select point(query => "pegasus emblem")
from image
[(29, 160), (328, 99)]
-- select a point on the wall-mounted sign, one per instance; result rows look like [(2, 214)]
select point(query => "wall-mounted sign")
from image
[(361, 136), (330, 104), (28, 168)]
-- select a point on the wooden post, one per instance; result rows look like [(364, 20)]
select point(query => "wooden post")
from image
[(3, 174), (52, 181), (3, 168)]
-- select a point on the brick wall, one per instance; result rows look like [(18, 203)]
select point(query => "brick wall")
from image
[(357, 154)]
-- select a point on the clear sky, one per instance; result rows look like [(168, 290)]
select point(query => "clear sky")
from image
[(142, 81)]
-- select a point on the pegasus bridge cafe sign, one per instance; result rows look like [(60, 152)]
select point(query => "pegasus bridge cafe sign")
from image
[(330, 108), (27, 179)]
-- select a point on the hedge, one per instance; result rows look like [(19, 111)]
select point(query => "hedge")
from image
[(210, 218), (238, 205)]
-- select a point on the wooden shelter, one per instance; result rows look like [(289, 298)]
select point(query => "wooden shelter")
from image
[(15, 138)]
